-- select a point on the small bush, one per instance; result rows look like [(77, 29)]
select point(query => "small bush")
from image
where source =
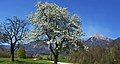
[(62, 58), (40, 57), (21, 52)]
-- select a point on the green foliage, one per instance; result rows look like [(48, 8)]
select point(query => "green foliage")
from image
[(44, 57), (21, 52), (62, 58)]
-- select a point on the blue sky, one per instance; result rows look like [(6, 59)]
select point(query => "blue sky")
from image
[(98, 16)]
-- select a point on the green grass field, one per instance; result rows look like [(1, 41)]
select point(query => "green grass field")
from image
[(23, 61)]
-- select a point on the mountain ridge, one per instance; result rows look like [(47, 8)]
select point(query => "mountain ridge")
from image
[(98, 40)]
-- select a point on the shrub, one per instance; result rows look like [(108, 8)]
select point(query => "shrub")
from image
[(40, 57), (96, 55), (21, 52)]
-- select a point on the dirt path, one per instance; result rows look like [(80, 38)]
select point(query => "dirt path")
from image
[(61, 62)]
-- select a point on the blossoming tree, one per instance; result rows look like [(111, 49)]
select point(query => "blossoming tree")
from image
[(56, 26)]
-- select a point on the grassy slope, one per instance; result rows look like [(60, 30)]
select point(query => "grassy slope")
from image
[(23, 61)]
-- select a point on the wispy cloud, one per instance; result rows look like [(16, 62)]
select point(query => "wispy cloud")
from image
[(90, 30)]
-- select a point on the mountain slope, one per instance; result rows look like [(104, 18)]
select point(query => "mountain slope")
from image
[(98, 40)]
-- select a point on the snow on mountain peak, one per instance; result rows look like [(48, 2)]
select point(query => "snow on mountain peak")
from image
[(100, 36)]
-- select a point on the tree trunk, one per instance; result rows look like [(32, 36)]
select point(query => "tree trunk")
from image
[(12, 52), (55, 59), (55, 54), (51, 56)]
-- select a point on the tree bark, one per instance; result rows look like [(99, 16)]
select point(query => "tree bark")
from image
[(55, 54), (51, 56), (12, 52), (55, 59)]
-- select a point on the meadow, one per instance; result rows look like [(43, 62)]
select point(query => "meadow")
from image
[(23, 61)]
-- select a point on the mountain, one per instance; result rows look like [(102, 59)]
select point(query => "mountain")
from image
[(98, 40), (117, 40), (31, 49), (116, 43)]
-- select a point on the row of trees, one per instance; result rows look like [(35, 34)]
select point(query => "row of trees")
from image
[(52, 24)]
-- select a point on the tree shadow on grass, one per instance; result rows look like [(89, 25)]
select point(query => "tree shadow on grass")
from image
[(25, 62), (1, 61)]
